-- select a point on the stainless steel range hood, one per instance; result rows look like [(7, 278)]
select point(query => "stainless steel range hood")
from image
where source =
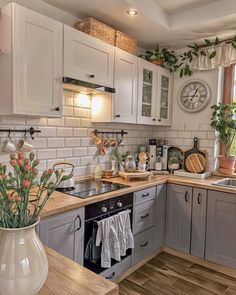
[(85, 87)]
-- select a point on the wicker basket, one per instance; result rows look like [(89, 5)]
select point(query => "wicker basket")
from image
[(126, 42), (97, 29)]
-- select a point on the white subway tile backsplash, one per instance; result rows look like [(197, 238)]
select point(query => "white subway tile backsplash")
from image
[(47, 132), (72, 142), (55, 142), (191, 126), (81, 132), (184, 134), (79, 152), (64, 153), (92, 151), (56, 121), (67, 111), (39, 142), (45, 154), (11, 120), (81, 113), (199, 134), (72, 122), (86, 161), (64, 131), (51, 162), (86, 141)]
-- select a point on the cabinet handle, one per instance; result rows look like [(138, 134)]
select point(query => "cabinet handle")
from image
[(199, 198), (111, 276), (91, 76), (186, 196), (154, 119), (159, 120), (144, 245), (57, 109), (117, 116), (145, 216), (80, 223), (145, 195)]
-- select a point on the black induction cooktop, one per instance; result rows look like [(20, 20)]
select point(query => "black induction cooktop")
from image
[(89, 188)]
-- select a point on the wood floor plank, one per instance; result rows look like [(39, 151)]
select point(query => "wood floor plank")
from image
[(190, 288), (153, 272), (157, 262), (137, 278), (206, 283), (155, 286), (168, 258), (133, 289), (231, 291), (214, 275)]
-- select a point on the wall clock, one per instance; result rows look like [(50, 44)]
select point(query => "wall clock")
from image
[(194, 95)]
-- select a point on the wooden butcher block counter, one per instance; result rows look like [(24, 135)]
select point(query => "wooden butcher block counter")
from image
[(61, 202), (66, 277)]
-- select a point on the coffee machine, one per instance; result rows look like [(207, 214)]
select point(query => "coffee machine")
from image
[(158, 153)]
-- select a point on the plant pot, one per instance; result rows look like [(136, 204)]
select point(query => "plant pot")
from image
[(227, 164), (23, 261), (174, 166), (158, 62)]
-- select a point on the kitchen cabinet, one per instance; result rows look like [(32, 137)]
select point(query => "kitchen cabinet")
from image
[(164, 97), (160, 217), (125, 83), (30, 63), (198, 232), (64, 233), (143, 216), (147, 93), (221, 228), (178, 217), (87, 58), (118, 269)]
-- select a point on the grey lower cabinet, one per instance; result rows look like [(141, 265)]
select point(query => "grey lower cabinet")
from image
[(64, 233), (160, 206), (178, 217), (221, 228), (198, 230)]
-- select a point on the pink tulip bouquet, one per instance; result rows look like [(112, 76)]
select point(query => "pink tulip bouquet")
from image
[(23, 194)]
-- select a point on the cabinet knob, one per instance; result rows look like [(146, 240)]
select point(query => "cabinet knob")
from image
[(159, 120), (154, 119), (92, 76), (144, 216), (57, 109), (117, 116)]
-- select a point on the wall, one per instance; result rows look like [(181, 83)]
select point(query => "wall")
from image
[(186, 125), (69, 138)]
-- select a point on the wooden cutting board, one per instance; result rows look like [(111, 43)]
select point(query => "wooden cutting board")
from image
[(195, 163)]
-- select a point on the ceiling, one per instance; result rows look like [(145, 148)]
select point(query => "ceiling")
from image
[(174, 23)]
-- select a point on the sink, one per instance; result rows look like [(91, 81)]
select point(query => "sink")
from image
[(226, 182)]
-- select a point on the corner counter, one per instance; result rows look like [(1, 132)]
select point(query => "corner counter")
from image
[(66, 277)]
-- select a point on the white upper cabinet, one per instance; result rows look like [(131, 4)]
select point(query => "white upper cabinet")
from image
[(87, 58), (147, 93), (126, 84), (164, 97), (30, 63)]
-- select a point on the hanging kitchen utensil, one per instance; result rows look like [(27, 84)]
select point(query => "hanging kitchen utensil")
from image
[(101, 149), (194, 159), (69, 183)]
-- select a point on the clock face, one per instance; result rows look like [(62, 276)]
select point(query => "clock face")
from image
[(194, 95)]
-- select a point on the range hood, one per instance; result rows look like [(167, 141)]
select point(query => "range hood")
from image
[(85, 87)]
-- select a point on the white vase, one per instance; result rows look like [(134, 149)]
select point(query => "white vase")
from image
[(23, 261)]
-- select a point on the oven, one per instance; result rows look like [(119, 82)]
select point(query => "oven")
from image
[(98, 211)]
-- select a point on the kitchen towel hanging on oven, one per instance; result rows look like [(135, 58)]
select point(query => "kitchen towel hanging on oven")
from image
[(114, 233)]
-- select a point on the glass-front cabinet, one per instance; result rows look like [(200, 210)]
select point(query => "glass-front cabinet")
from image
[(147, 93), (164, 101)]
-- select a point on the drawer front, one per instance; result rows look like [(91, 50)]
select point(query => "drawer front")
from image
[(118, 269), (143, 217), (145, 195), (143, 245)]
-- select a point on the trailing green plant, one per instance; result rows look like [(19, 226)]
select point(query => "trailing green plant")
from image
[(174, 160), (23, 194), (223, 120), (120, 157)]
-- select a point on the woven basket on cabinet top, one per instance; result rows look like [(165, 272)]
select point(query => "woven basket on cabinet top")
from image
[(126, 42), (97, 29)]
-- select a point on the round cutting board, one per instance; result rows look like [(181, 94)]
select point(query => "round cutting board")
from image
[(195, 163)]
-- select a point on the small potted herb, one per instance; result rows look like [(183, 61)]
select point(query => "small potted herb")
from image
[(223, 120), (174, 162)]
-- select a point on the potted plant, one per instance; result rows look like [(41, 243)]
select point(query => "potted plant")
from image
[(174, 162), (223, 120), (163, 57), (23, 195)]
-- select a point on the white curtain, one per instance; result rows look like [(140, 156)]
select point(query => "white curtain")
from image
[(225, 56)]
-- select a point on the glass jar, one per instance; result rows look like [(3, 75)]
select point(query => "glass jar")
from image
[(130, 164)]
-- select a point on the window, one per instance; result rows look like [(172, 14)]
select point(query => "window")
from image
[(230, 92)]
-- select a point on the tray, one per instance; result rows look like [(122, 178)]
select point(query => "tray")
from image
[(128, 175), (192, 175)]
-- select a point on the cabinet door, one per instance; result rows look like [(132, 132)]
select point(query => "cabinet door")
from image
[(125, 82), (198, 233), (147, 93), (164, 97), (143, 216), (87, 58), (160, 217), (65, 233), (221, 228), (178, 217), (37, 63)]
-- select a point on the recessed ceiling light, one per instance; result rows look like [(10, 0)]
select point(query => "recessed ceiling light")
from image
[(132, 12)]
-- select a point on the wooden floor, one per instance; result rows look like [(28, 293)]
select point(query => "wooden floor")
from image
[(167, 274)]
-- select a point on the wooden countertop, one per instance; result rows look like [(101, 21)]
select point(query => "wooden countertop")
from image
[(61, 202), (66, 277)]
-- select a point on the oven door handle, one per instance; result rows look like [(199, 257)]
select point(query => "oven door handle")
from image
[(111, 276), (80, 223)]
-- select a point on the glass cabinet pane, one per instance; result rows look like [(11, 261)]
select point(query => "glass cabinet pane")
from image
[(164, 97), (147, 93)]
